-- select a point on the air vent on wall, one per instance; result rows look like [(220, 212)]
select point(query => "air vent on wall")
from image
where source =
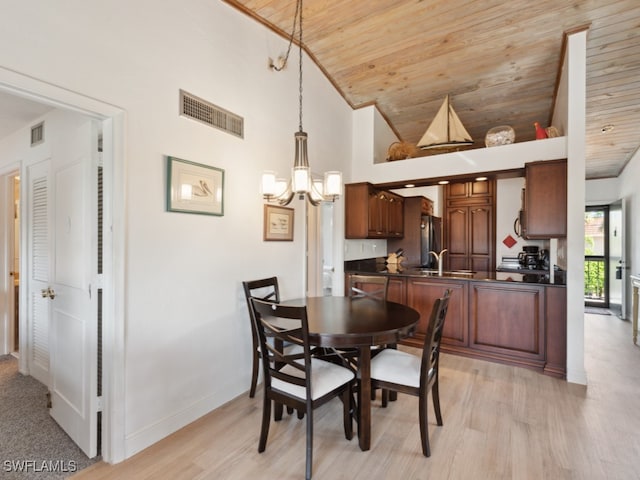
[(37, 134), (210, 114)]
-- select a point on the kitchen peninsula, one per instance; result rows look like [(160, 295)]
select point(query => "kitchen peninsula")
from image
[(512, 318)]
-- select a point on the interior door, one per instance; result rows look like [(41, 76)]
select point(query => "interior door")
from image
[(65, 300), (39, 221)]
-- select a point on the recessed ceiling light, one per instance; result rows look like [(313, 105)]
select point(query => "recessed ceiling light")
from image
[(443, 182), (480, 179), (409, 185), (607, 128)]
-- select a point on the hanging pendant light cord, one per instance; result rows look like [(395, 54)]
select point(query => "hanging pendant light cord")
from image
[(291, 37), (299, 10)]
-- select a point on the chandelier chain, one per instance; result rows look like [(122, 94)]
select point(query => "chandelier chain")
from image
[(291, 37), (299, 7)]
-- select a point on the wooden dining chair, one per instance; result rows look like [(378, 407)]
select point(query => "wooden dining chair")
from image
[(300, 381), (403, 372), (266, 289), (373, 286)]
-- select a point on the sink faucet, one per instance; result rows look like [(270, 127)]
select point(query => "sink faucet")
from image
[(439, 257)]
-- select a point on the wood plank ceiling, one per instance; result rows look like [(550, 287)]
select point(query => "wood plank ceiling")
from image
[(498, 60)]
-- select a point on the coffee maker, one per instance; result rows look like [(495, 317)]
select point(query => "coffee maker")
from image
[(529, 258)]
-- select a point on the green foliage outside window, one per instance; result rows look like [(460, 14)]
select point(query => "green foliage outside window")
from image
[(594, 279), (593, 269)]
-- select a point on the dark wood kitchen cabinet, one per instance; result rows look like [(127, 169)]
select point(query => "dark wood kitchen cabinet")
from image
[(469, 226), (372, 213), (397, 290), (422, 294), (515, 323), (507, 321), (556, 332), (545, 199)]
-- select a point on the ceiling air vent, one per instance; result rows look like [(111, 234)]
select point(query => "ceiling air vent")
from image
[(210, 114), (37, 134)]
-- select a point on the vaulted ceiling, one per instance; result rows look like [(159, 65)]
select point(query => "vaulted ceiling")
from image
[(498, 60)]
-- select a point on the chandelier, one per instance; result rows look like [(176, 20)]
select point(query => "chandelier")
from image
[(302, 183)]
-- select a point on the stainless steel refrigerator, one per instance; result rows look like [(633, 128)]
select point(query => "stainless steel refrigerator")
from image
[(430, 240)]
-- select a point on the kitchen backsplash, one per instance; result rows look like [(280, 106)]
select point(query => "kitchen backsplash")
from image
[(360, 249)]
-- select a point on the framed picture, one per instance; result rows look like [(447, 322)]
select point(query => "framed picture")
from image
[(278, 223), (194, 188)]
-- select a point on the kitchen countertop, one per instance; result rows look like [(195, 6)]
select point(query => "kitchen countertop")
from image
[(378, 266)]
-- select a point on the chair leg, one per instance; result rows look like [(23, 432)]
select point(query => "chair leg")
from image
[(278, 410), (309, 461), (347, 412), (266, 419), (435, 393), (424, 425), (254, 374)]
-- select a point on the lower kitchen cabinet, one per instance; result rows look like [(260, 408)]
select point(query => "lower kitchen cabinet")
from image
[(397, 290), (556, 332), (507, 322), (422, 294), (515, 323)]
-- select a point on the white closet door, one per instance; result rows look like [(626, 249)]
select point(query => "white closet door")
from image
[(39, 247), (63, 281)]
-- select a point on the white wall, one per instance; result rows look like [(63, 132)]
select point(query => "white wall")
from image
[(631, 198), (383, 137), (504, 157), (186, 327), (508, 205)]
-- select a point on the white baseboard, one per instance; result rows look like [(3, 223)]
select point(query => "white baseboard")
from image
[(147, 436)]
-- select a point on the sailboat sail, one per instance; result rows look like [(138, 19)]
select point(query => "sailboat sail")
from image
[(446, 130)]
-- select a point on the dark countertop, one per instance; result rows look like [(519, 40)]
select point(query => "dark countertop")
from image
[(377, 266)]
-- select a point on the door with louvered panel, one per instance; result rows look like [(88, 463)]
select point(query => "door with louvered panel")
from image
[(62, 235), (39, 276)]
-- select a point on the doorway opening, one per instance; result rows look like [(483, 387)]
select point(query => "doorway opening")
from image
[(109, 287), (596, 256), (14, 326)]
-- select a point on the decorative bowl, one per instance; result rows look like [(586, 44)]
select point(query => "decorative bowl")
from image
[(501, 135)]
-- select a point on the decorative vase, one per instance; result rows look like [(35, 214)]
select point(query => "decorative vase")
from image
[(540, 132), (501, 135)]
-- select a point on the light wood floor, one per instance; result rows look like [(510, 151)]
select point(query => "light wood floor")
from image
[(500, 422)]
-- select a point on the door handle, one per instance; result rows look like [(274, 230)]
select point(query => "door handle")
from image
[(48, 293)]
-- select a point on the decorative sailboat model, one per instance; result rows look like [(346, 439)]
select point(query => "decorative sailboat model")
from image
[(446, 130)]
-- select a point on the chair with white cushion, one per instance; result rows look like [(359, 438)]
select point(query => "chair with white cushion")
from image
[(403, 372), (265, 289), (298, 380)]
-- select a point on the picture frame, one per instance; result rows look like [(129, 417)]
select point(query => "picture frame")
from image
[(278, 223), (194, 188)]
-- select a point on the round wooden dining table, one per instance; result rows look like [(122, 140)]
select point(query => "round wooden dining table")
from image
[(343, 322)]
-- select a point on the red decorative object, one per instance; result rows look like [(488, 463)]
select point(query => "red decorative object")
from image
[(509, 241), (540, 132)]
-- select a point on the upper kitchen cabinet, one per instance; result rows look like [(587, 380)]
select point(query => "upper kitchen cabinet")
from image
[(470, 193), (372, 213), (545, 200), (469, 226)]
